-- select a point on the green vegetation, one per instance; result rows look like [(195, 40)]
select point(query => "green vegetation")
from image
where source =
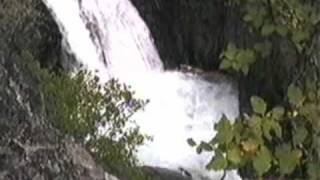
[(274, 141), (96, 115)]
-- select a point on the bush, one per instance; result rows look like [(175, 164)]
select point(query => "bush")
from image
[(96, 115), (281, 141)]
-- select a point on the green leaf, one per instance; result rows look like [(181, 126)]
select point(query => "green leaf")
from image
[(199, 149), (267, 29), (277, 129), (236, 66), (299, 135), (278, 112), (241, 57), (255, 130), (262, 162), (191, 142), (231, 51), (267, 126), (255, 121), (282, 30), (258, 21), (234, 155), (246, 57), (251, 56), (218, 162), (295, 95), (299, 36), (258, 104), (248, 18), (237, 130), (313, 171), (249, 146), (315, 18), (288, 159), (205, 146), (225, 64), (224, 131)]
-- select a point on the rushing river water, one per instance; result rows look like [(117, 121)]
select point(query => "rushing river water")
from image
[(109, 37)]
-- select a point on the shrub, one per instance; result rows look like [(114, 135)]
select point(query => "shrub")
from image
[(281, 141), (276, 143), (96, 115)]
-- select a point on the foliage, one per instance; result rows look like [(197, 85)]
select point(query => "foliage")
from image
[(281, 141), (278, 142), (96, 115), (275, 143), (238, 59), (293, 20)]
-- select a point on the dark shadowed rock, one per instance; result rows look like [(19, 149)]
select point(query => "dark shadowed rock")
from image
[(158, 173)]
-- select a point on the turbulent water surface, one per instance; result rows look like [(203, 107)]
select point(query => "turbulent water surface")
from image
[(110, 37)]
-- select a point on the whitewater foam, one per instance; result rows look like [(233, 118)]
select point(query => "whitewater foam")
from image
[(109, 36)]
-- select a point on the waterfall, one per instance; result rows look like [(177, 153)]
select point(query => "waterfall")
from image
[(110, 38)]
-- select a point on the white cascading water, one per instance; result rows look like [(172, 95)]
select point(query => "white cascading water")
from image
[(109, 37)]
